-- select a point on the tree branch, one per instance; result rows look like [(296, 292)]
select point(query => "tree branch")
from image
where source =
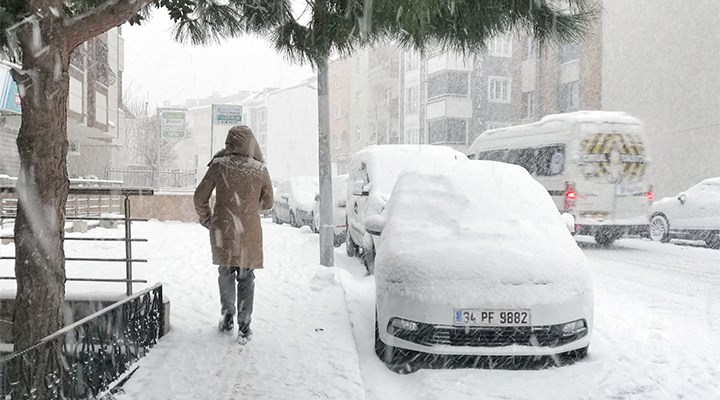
[(112, 13)]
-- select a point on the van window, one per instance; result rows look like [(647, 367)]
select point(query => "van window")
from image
[(613, 157), (540, 161)]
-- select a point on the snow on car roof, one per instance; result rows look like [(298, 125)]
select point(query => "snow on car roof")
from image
[(304, 189), (386, 162), (474, 232)]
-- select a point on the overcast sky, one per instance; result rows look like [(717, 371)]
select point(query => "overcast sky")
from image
[(157, 68)]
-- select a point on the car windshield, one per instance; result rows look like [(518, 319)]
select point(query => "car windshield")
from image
[(334, 199)]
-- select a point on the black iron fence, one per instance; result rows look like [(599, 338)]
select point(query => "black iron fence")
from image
[(88, 357)]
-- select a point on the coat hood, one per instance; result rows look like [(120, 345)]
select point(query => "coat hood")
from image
[(240, 140)]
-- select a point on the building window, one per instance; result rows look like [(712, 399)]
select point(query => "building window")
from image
[(75, 100), (448, 130), (530, 49), (411, 100), (568, 52), (338, 111), (262, 125), (412, 136), (412, 63), (101, 108), (529, 104), (501, 46), (499, 89), (449, 83), (569, 96)]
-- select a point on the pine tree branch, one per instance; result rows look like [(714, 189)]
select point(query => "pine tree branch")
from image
[(112, 13)]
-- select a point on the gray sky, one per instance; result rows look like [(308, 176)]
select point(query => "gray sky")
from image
[(157, 68)]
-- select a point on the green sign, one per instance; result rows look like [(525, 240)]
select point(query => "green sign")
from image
[(226, 114), (172, 124), (9, 95)]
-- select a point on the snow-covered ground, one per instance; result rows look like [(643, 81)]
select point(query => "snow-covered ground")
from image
[(657, 317)]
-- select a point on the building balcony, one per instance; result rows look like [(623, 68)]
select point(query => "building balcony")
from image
[(449, 106), (448, 61)]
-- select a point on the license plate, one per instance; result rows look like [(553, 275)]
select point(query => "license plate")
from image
[(487, 317)]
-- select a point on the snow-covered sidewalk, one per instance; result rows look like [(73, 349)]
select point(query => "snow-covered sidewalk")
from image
[(302, 348)]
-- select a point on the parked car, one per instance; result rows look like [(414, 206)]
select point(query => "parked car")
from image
[(339, 196), (373, 172), (693, 214), (473, 259), (294, 201)]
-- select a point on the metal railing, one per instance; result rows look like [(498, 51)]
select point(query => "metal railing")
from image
[(84, 359), (127, 238), (152, 178)]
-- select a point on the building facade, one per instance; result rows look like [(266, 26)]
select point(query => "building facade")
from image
[(339, 72)]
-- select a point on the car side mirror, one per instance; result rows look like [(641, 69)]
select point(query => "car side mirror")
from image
[(359, 189), (682, 197), (317, 196), (374, 224)]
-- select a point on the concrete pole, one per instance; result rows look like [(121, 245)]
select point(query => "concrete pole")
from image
[(327, 232)]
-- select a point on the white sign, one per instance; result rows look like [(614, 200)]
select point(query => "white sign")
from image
[(172, 124), (226, 114)]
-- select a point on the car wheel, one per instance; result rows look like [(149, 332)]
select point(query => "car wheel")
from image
[(314, 228), (293, 220), (659, 229), (395, 359), (275, 218), (605, 238), (350, 247), (368, 259)]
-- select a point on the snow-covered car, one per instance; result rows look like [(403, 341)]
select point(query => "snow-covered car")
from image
[(294, 201), (474, 259), (373, 172), (693, 214), (339, 197)]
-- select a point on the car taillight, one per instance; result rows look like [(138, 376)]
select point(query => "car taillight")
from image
[(570, 197), (650, 195)]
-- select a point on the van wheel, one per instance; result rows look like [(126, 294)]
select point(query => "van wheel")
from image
[(350, 247), (293, 220), (659, 229), (605, 238)]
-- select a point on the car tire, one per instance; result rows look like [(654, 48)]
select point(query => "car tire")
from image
[(275, 218), (368, 259), (313, 227), (350, 247), (395, 359), (293, 220), (605, 238), (659, 229)]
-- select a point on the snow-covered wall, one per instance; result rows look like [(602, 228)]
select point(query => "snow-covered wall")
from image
[(661, 63)]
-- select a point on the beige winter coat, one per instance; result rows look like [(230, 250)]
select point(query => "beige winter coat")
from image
[(242, 189)]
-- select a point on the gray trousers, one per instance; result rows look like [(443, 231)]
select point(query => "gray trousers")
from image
[(245, 293)]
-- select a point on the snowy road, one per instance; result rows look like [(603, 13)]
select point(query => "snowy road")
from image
[(657, 317)]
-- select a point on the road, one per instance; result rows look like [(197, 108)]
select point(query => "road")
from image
[(657, 317)]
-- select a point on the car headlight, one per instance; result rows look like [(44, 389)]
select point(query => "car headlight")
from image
[(403, 324), (573, 328)]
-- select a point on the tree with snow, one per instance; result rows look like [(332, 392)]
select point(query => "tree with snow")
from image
[(40, 35)]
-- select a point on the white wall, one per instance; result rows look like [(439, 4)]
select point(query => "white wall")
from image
[(661, 63), (292, 126)]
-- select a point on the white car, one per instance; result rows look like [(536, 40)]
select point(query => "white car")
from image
[(339, 196), (474, 259), (294, 200), (693, 214)]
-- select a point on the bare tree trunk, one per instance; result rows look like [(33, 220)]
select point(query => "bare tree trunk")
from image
[(42, 189)]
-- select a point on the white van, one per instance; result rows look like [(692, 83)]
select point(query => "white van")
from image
[(593, 163), (372, 176)]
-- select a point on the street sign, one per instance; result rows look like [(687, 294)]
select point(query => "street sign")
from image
[(226, 114), (9, 95), (172, 124)]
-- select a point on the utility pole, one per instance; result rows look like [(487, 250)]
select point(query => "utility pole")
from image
[(327, 231)]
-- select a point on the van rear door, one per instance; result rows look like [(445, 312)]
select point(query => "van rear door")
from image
[(613, 164)]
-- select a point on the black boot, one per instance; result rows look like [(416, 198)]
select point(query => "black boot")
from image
[(227, 324)]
